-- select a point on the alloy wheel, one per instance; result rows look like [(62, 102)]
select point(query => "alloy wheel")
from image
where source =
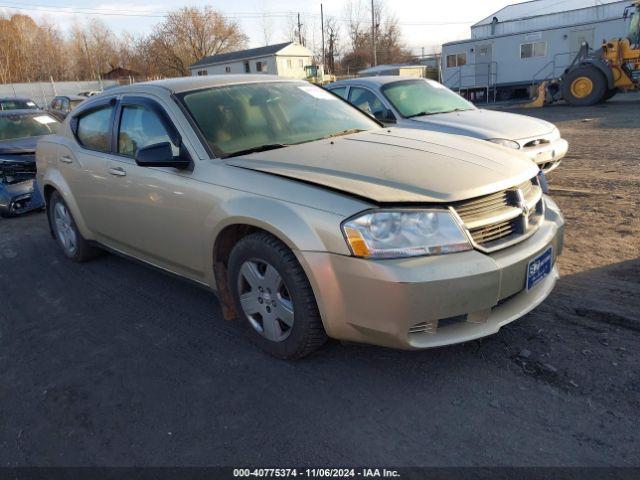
[(265, 300), (64, 228)]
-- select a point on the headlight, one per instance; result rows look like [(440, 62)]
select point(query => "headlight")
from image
[(404, 233), (505, 143)]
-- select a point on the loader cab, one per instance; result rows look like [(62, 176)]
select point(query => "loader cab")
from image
[(634, 25)]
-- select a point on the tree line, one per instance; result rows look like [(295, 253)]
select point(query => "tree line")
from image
[(39, 51)]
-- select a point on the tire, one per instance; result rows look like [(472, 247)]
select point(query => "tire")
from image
[(609, 94), (278, 305), (584, 86), (65, 231)]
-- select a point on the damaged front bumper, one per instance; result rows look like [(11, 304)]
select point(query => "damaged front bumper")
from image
[(18, 190), (423, 302)]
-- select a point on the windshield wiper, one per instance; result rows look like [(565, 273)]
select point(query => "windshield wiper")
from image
[(260, 148), (348, 131), (436, 113), (420, 114)]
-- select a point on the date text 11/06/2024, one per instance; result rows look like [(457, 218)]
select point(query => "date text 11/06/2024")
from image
[(316, 472)]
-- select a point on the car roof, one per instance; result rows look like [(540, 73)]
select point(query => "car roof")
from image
[(373, 81), (185, 84), (12, 99), (22, 111), (71, 97)]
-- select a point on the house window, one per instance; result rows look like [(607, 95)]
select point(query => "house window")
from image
[(247, 67), (202, 73), (261, 66), (300, 63), (289, 63), (535, 49), (456, 60), (227, 69)]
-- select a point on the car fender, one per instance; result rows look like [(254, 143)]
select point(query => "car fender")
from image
[(277, 217), (53, 179)]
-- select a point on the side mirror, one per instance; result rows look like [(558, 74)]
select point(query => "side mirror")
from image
[(161, 155), (385, 116)]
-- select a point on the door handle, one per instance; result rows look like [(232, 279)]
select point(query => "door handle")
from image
[(117, 171), (66, 159)]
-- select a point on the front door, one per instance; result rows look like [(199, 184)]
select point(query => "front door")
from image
[(483, 65), (155, 213)]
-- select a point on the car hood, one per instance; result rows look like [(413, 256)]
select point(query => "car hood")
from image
[(27, 144), (397, 165), (485, 124)]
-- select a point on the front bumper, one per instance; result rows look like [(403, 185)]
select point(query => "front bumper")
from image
[(19, 198), (426, 302), (548, 155)]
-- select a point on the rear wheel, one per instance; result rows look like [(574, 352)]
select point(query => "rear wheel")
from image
[(584, 86), (66, 232), (273, 296)]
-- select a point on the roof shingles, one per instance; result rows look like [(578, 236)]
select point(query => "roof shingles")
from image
[(240, 55)]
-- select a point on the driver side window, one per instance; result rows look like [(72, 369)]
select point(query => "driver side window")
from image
[(141, 127)]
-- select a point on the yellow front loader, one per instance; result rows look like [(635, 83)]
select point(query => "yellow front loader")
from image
[(596, 76)]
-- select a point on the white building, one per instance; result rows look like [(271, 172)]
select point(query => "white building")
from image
[(285, 59), (525, 44)]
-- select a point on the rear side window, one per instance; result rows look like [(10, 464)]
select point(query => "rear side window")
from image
[(141, 127), (94, 128), (341, 91)]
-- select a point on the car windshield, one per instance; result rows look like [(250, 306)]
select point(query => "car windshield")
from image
[(413, 98), (237, 119), (21, 126), (17, 105)]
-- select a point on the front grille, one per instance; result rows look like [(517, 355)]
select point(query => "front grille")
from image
[(499, 219)]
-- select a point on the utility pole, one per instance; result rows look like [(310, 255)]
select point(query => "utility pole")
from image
[(324, 58), (373, 35), (299, 30)]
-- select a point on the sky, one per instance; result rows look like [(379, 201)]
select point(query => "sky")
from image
[(424, 23)]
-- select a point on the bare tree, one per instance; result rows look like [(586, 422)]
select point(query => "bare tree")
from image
[(389, 45), (189, 34)]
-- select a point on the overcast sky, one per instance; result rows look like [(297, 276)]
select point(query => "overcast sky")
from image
[(424, 23)]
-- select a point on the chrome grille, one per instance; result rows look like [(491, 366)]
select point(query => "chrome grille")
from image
[(500, 219)]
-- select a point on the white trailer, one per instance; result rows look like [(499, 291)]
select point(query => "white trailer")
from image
[(512, 51)]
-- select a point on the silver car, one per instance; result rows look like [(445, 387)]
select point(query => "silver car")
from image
[(429, 105)]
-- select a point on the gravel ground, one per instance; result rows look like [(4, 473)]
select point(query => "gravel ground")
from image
[(113, 363)]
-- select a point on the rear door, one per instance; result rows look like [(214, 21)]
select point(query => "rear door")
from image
[(82, 161)]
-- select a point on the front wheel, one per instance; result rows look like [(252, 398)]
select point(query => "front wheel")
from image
[(584, 86), (273, 297)]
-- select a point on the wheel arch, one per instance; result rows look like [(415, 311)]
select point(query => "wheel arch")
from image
[(282, 220), (55, 182)]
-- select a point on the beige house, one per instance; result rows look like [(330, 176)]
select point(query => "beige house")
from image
[(284, 59)]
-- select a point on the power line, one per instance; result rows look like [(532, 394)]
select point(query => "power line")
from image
[(163, 14)]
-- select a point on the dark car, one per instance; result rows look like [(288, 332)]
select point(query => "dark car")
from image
[(17, 103), (20, 131), (63, 104)]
